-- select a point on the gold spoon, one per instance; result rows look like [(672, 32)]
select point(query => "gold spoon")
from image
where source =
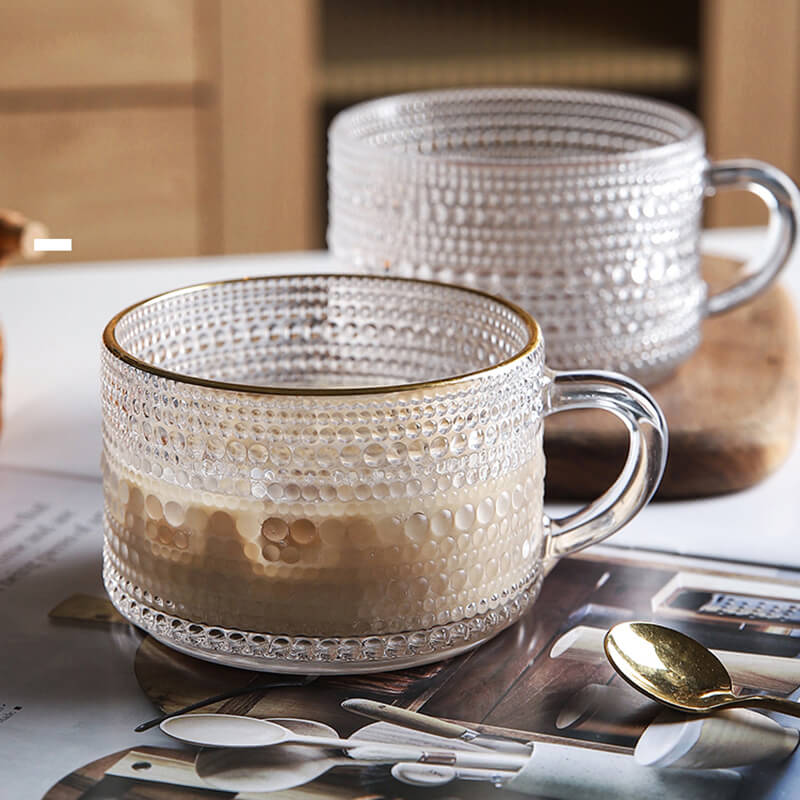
[(678, 671)]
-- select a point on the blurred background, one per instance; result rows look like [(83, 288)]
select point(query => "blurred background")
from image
[(150, 128)]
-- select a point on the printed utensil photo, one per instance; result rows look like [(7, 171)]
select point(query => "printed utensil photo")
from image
[(438, 727), (233, 731), (679, 672), (364, 750), (733, 737), (273, 769), (438, 774), (568, 771), (286, 766)]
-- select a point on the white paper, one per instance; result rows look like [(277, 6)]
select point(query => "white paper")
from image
[(68, 694)]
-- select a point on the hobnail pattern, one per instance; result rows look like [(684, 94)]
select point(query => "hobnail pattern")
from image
[(367, 513), (303, 654), (582, 207)]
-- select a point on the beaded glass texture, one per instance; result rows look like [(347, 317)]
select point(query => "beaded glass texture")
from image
[(582, 207), (318, 473)]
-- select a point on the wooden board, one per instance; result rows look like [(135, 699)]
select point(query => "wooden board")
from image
[(732, 408), (91, 43), (270, 146), (121, 181), (750, 95)]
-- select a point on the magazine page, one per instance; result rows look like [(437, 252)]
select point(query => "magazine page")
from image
[(67, 691), (544, 680)]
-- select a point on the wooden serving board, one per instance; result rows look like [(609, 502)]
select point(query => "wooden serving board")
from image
[(92, 780), (732, 408)]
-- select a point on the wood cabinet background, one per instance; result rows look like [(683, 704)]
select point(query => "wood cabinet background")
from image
[(182, 127)]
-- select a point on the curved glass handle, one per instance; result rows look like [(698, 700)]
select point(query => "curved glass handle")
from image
[(782, 198), (644, 466)]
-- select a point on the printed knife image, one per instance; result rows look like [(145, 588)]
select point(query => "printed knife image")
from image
[(438, 727)]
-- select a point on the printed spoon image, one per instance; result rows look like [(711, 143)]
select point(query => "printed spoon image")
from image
[(232, 731), (679, 672), (273, 769)]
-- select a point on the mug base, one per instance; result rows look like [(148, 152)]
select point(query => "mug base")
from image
[(312, 655)]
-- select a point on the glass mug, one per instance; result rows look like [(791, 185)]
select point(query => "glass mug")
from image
[(582, 207), (334, 473)]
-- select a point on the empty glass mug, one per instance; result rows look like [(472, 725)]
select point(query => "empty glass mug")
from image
[(582, 207), (338, 473)]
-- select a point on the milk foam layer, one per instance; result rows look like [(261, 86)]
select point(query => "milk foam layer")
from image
[(339, 568)]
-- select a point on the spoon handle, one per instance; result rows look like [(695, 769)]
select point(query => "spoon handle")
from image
[(380, 751), (766, 702), (403, 752)]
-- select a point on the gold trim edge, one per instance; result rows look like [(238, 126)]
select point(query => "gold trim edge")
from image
[(111, 344)]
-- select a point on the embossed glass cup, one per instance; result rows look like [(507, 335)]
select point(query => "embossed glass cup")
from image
[(337, 473), (582, 207)]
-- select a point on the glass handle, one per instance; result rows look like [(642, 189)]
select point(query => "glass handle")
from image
[(782, 198), (644, 466)]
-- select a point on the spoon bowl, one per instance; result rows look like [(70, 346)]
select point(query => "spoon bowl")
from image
[(679, 672), (224, 730), (274, 769), (232, 731), (667, 665)]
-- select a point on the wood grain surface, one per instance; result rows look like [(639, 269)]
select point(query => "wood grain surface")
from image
[(116, 180), (732, 408), (82, 780), (90, 43)]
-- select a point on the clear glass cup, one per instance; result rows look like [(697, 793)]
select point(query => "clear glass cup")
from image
[(338, 474), (582, 207)]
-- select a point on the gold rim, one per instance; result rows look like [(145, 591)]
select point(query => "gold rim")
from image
[(113, 346)]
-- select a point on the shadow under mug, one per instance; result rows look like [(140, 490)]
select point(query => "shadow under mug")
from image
[(333, 473), (585, 208)]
